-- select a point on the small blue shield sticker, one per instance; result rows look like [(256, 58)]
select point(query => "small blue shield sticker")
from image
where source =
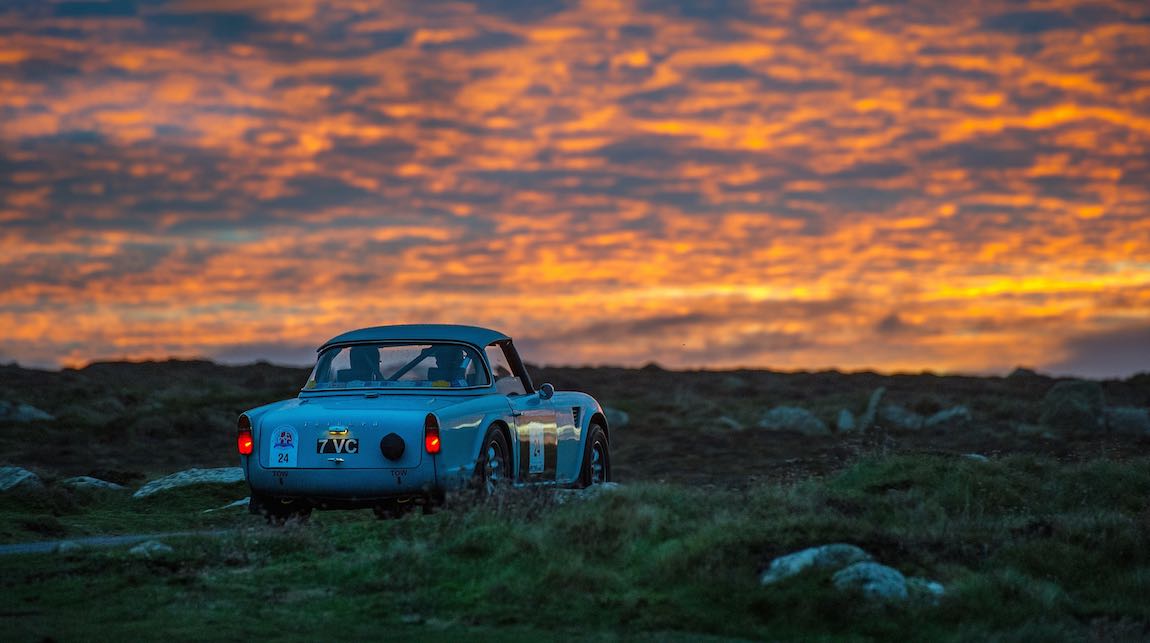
[(283, 452)]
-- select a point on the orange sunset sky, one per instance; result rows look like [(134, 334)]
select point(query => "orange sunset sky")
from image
[(900, 186)]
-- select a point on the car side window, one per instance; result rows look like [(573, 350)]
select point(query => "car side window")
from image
[(505, 380)]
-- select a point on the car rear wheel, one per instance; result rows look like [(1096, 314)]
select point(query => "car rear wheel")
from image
[(596, 458), (493, 468)]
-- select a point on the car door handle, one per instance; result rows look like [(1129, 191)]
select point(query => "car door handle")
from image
[(516, 414)]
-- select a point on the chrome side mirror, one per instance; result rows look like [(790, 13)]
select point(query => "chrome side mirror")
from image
[(546, 392)]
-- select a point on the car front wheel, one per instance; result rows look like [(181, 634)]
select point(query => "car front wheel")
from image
[(596, 459)]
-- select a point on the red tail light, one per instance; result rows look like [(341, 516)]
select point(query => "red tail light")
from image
[(244, 440), (431, 434)]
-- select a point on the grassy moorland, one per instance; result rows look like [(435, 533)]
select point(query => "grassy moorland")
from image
[(1027, 547), (1047, 540)]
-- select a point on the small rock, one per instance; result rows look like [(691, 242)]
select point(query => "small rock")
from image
[(17, 412), (831, 556), (442, 623), (563, 495), (616, 418), (12, 478), (1075, 406), (150, 549), (243, 502), (846, 422), (730, 423), (1128, 420), (68, 547), (977, 457), (875, 581), (226, 475), (896, 417), (925, 590), (88, 482), (791, 418), (954, 417), (871, 414)]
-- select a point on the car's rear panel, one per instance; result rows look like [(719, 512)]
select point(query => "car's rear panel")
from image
[(336, 447), (339, 436)]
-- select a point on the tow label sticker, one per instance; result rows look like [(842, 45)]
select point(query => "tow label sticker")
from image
[(535, 449), (285, 441)]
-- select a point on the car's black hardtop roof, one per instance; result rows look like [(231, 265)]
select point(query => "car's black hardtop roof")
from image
[(419, 332)]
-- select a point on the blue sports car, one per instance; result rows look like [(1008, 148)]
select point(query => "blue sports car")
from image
[(394, 417)]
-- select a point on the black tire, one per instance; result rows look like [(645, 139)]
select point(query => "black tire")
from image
[(493, 466), (596, 458), (276, 511)]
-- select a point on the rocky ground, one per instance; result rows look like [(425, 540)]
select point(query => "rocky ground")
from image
[(126, 423), (751, 505)]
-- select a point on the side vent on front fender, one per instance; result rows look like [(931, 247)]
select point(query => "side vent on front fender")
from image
[(576, 413)]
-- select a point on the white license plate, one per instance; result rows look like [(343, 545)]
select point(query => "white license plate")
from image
[(337, 445)]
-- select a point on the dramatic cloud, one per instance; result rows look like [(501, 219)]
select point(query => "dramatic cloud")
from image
[(923, 185)]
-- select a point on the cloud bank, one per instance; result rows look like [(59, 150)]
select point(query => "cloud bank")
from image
[(850, 185)]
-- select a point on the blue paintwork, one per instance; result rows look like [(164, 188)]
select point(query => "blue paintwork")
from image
[(368, 414)]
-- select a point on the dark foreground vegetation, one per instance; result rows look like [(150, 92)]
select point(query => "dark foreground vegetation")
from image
[(1046, 538), (1027, 548)]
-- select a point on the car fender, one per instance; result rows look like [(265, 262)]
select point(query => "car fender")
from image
[(255, 416), (589, 411), (462, 429)]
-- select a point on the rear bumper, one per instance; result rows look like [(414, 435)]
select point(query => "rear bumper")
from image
[(345, 486)]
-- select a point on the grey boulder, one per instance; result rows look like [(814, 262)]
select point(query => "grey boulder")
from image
[(871, 414), (831, 556), (242, 502), (225, 475), (954, 417), (874, 581), (68, 547), (1128, 420), (846, 422), (150, 549), (616, 418), (16, 478), (792, 418), (586, 493), (893, 416), (1075, 406), (18, 412), (88, 482), (925, 590), (730, 423)]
